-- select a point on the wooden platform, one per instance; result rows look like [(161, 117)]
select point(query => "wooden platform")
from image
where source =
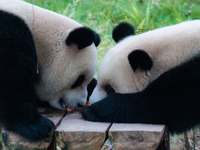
[(74, 133)]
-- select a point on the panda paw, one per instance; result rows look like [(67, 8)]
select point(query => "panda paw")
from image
[(37, 130), (106, 110), (99, 112), (89, 113)]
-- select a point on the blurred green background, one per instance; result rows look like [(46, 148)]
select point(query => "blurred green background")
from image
[(103, 15)]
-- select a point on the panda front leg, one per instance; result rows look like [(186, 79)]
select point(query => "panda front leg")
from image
[(18, 112), (116, 107)]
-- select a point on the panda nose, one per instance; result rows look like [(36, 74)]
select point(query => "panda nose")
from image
[(62, 103)]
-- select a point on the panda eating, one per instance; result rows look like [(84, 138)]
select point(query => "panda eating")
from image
[(152, 77), (46, 56)]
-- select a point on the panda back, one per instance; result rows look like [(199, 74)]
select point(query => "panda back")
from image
[(168, 46)]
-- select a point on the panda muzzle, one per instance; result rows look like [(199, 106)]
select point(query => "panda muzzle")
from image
[(70, 110)]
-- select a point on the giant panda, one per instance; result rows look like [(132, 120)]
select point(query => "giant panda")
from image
[(152, 77), (45, 56)]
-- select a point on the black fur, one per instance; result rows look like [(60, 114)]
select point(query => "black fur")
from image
[(18, 112), (121, 31), (139, 58), (91, 87), (78, 82), (172, 99), (109, 90), (83, 37), (97, 39)]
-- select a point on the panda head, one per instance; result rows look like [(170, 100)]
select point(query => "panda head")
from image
[(122, 66), (66, 53), (65, 73), (137, 60)]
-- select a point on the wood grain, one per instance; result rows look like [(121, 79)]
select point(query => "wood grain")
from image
[(75, 133), (135, 136)]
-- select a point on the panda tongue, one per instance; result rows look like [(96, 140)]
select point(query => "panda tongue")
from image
[(70, 110)]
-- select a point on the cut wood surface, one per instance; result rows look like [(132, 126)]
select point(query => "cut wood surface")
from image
[(75, 133), (52, 114), (135, 136)]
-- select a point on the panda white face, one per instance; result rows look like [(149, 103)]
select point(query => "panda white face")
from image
[(136, 60), (116, 74), (63, 81), (73, 97), (65, 52)]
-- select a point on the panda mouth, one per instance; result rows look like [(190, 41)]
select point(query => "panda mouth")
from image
[(63, 105)]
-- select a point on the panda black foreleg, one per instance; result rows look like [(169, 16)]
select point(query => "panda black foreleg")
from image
[(18, 112), (178, 113), (120, 108)]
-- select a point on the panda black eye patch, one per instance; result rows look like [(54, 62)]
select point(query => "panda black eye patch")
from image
[(78, 82)]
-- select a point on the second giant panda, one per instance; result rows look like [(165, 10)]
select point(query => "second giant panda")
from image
[(43, 55), (152, 77)]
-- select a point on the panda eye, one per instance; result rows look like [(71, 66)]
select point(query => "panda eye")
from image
[(109, 90), (78, 82)]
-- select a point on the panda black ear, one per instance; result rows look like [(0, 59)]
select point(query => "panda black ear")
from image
[(83, 37), (140, 58), (121, 31), (97, 39)]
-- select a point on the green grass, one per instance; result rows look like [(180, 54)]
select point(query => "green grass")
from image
[(103, 15)]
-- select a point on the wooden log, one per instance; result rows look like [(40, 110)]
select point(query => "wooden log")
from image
[(135, 136), (75, 133), (13, 141), (165, 141)]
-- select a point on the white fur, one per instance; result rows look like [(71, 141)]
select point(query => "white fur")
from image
[(98, 94), (59, 64), (168, 47)]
